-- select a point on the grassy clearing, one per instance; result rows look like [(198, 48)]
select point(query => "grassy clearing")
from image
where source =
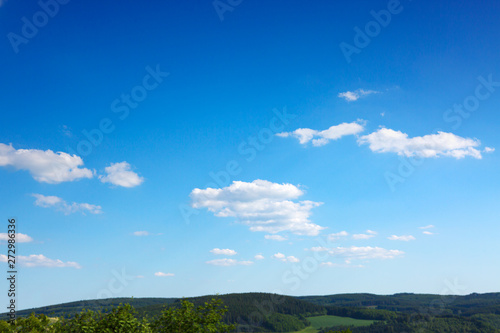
[(329, 321)]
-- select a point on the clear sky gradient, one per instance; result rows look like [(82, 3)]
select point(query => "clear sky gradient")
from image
[(160, 149)]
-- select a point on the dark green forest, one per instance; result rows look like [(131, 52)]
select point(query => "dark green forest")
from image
[(264, 312)]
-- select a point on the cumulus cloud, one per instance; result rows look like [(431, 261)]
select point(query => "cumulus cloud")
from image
[(369, 234), (360, 253), (44, 165), (39, 260), (337, 235), (387, 140), (161, 274), (282, 257), (228, 262), (321, 138), (405, 238), (352, 96), (20, 238), (259, 257), (275, 237), (120, 174), (62, 206), (262, 205), (141, 233), (226, 252)]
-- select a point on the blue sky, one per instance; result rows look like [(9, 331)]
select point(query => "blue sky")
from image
[(168, 150)]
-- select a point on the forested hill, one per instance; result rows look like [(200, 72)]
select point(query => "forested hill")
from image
[(410, 303)]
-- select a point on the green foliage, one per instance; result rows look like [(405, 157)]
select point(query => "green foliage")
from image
[(191, 319)]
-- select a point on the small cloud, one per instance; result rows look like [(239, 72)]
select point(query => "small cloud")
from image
[(369, 234), (39, 260), (161, 274), (337, 235), (321, 138), (259, 257), (66, 131), (225, 252), (139, 277), (120, 174), (20, 238), (427, 227), (427, 233), (141, 233), (405, 238), (351, 96), (62, 206), (228, 262), (282, 257), (275, 237), (488, 150), (382, 114)]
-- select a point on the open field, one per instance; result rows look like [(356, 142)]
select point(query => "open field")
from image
[(329, 321)]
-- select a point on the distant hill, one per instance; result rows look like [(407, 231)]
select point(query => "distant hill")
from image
[(264, 312)]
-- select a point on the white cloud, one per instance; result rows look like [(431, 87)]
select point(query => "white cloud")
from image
[(404, 238), (228, 262), (427, 233), (369, 234), (61, 205), (39, 260), (259, 257), (387, 140), (20, 238), (320, 138), (360, 253), (275, 237), (427, 227), (488, 150), (161, 274), (44, 165), (331, 264), (120, 174), (141, 233), (262, 205), (337, 235), (226, 252), (352, 96), (282, 257)]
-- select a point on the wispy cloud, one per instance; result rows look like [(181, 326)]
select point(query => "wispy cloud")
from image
[(352, 96), (360, 253), (44, 165), (369, 234), (321, 138), (62, 206), (39, 260), (228, 262), (427, 233), (387, 140), (275, 237), (405, 238), (161, 274), (337, 235), (141, 233), (120, 174), (226, 252), (259, 257), (262, 205), (282, 257), (427, 227)]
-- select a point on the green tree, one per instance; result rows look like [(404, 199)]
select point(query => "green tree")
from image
[(188, 319)]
